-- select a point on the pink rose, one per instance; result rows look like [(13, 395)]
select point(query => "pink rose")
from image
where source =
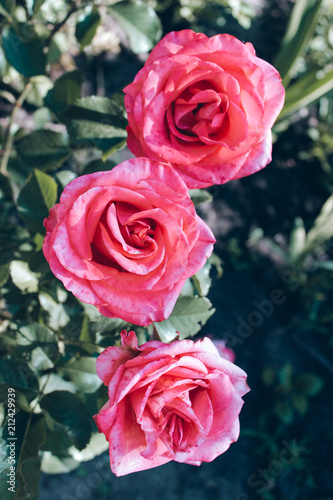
[(126, 240), (205, 105), (224, 351), (176, 401)]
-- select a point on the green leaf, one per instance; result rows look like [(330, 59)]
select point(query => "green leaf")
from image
[(7, 6), (306, 91), (17, 375), (86, 27), (300, 403), (82, 372), (139, 22), (37, 262), (328, 265), (85, 335), (66, 89), (284, 412), (187, 318), (297, 239), (202, 280), (64, 177), (43, 149), (301, 26), (98, 166), (68, 411), (41, 342), (322, 229), (101, 324), (200, 196), (23, 277), (97, 445), (30, 472), (268, 376), (308, 384), (34, 6), (95, 122), (37, 196), (57, 315), (40, 85), (24, 49), (188, 288), (4, 273), (28, 467), (52, 464), (19, 172), (217, 262), (285, 377), (5, 188), (55, 383)]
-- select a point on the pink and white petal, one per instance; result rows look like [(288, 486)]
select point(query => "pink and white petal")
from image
[(203, 409), (275, 93), (127, 441), (140, 309), (105, 418), (201, 250), (50, 224), (133, 143), (236, 374), (109, 361), (79, 287), (214, 447), (76, 222), (172, 43), (70, 260), (259, 156), (224, 351), (156, 139)]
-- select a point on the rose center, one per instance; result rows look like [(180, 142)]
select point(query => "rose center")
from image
[(180, 430), (139, 234), (200, 112), (120, 231)]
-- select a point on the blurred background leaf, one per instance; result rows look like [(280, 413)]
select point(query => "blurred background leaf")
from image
[(139, 22)]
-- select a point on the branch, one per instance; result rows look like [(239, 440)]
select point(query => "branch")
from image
[(9, 135), (58, 26)]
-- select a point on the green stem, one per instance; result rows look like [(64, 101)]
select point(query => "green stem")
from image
[(6, 14), (9, 135), (39, 398), (84, 345)]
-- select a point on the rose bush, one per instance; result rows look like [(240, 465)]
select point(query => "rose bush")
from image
[(126, 240), (176, 401), (205, 105)]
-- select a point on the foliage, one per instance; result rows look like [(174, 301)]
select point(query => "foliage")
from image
[(56, 131)]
